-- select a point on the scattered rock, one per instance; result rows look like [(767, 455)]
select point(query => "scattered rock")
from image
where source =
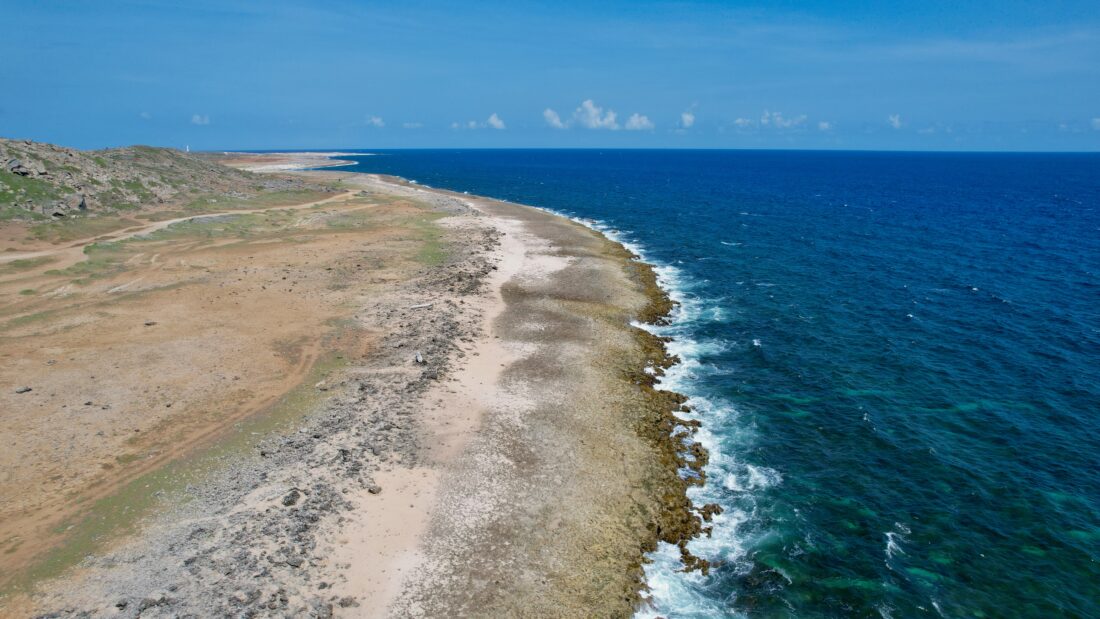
[(131, 177), (240, 568), (149, 323), (23, 390), (151, 602), (292, 497), (348, 602)]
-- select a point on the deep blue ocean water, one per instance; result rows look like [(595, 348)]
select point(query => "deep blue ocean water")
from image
[(896, 358)]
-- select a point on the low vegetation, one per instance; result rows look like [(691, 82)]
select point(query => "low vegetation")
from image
[(47, 182)]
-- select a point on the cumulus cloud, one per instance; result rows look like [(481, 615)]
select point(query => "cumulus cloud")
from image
[(894, 120), (638, 122), (375, 121), (199, 119), (1096, 123), (493, 122), (592, 116), (774, 121), (589, 115), (553, 119), (792, 122), (687, 119), (777, 120), (824, 125)]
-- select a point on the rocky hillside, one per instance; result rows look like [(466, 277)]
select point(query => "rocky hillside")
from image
[(42, 180)]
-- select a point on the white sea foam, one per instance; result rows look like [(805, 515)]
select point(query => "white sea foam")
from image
[(748, 477), (893, 548), (673, 592), (894, 540)]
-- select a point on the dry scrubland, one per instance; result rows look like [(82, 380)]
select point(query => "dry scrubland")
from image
[(317, 394)]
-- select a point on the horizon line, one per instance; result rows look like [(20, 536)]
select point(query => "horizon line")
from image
[(637, 148)]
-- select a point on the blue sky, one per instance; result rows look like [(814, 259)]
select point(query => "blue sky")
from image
[(977, 75)]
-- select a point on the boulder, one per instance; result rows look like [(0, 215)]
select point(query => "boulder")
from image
[(16, 167)]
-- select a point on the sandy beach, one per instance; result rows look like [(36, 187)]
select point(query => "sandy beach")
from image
[(386, 400)]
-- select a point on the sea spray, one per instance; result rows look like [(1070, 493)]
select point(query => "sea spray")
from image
[(673, 590)]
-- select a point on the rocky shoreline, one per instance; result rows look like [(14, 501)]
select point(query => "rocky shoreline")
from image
[(583, 485)]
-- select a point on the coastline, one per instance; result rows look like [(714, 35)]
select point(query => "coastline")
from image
[(287, 162), (546, 388), (650, 412)]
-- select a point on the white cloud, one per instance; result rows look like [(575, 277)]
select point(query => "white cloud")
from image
[(824, 125), (145, 115), (589, 115), (687, 119), (493, 122), (792, 122), (375, 121), (1096, 123), (197, 119), (638, 122), (553, 119), (777, 120), (412, 125), (894, 120), (592, 116)]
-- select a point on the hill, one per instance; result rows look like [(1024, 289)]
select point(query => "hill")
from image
[(43, 181)]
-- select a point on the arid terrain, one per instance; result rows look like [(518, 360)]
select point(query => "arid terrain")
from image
[(340, 394)]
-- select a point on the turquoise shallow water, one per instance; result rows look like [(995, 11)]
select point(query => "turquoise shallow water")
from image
[(896, 358)]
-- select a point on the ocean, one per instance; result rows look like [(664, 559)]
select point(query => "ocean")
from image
[(895, 358)]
